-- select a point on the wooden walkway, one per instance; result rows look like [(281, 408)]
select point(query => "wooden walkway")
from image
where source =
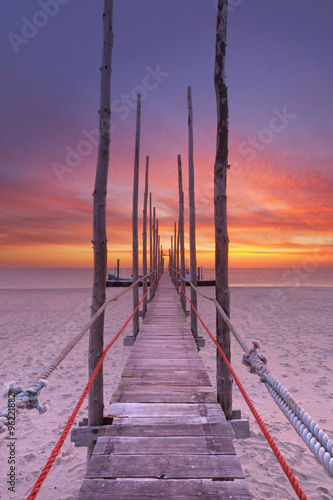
[(169, 436)]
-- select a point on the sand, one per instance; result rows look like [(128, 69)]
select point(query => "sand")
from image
[(292, 324)]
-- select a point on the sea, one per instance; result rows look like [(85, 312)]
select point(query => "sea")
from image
[(81, 278)]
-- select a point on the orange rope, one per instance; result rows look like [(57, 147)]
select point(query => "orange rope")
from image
[(287, 470), (71, 419)]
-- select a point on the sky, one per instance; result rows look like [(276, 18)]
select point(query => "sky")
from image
[(279, 77)]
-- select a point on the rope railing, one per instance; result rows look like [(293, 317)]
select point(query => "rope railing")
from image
[(314, 437), (46, 469), (282, 461), (28, 398)]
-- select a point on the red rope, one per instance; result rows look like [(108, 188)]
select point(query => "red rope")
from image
[(56, 449), (287, 470)]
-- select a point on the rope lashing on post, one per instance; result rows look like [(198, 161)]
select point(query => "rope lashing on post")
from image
[(28, 398), (46, 469), (314, 437), (282, 461)]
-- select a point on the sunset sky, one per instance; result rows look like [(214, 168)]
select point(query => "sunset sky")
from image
[(279, 75)]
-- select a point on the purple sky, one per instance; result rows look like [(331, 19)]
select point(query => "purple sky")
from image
[(279, 75)]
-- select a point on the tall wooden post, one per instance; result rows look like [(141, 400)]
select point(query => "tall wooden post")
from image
[(193, 257), (181, 230), (224, 379), (151, 246), (159, 254), (177, 259), (96, 404), (174, 252), (135, 241), (154, 246), (144, 236), (117, 275), (171, 257), (156, 250)]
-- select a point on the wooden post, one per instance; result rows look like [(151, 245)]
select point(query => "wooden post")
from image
[(144, 236), (177, 260), (181, 230), (171, 258), (154, 246), (151, 247), (135, 240), (224, 379), (117, 275), (96, 403), (156, 250), (193, 257), (174, 252)]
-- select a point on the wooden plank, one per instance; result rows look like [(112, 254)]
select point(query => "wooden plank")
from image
[(171, 373), (140, 386), (127, 383), (165, 466), (169, 420), (163, 409), (163, 397), (164, 360), (87, 435), (156, 364), (204, 429), (157, 445), (104, 489), (166, 353)]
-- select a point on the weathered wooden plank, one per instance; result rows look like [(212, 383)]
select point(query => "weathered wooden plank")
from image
[(163, 409), (171, 373), (156, 364), (139, 386), (204, 429), (169, 420), (166, 353), (161, 397), (157, 445), (104, 489), (165, 466), (87, 435), (162, 345), (126, 383)]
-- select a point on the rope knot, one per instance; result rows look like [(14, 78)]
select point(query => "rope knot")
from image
[(255, 361), (24, 398)]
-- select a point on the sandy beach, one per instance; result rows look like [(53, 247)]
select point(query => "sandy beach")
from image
[(293, 325)]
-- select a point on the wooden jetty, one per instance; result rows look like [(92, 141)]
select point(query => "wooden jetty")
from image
[(169, 437)]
